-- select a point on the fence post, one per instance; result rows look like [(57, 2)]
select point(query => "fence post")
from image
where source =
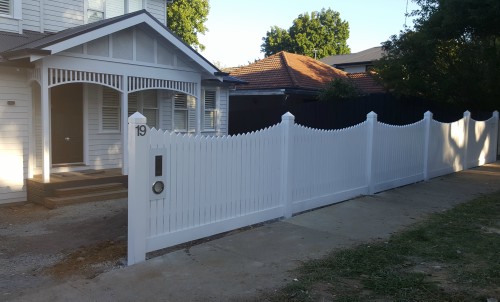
[(138, 185), (427, 140), (465, 165), (371, 119), (287, 121)]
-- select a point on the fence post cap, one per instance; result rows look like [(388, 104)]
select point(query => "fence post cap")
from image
[(428, 114), (371, 115), (287, 116), (137, 118), (467, 113), (495, 113)]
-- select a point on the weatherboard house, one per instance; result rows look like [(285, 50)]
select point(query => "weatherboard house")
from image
[(71, 72)]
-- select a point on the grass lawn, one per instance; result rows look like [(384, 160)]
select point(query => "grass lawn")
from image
[(452, 256)]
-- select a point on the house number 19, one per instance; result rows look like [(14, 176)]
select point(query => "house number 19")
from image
[(141, 130)]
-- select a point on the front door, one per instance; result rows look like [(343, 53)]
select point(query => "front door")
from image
[(67, 124)]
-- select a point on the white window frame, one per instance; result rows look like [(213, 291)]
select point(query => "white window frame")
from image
[(15, 9), (101, 115), (210, 110)]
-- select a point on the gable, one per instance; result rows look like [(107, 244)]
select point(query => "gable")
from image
[(132, 37), (136, 44)]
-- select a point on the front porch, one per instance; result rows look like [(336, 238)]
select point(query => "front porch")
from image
[(77, 186)]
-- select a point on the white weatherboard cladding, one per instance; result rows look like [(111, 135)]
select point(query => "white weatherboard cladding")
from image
[(158, 8), (9, 24), (223, 111), (37, 127), (114, 8), (14, 133), (59, 15), (32, 10)]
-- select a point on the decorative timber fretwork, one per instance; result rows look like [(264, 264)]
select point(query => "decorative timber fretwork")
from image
[(138, 83), (35, 74), (64, 76)]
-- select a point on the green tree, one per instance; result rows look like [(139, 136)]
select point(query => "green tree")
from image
[(317, 34), (452, 54), (187, 18), (339, 89)]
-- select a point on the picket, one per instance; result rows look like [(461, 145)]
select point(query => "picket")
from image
[(216, 184)]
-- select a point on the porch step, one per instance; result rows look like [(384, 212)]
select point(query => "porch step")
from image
[(84, 190), (81, 194)]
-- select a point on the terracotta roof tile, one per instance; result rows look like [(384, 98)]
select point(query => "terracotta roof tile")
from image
[(366, 82), (287, 70)]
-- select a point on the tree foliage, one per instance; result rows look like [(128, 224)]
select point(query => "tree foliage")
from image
[(452, 54), (324, 32), (187, 18), (339, 89)]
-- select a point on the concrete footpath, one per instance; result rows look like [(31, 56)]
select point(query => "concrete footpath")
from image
[(242, 266)]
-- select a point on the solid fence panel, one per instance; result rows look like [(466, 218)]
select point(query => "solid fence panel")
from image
[(398, 155)]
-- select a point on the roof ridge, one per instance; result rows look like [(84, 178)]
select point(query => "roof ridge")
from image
[(289, 69)]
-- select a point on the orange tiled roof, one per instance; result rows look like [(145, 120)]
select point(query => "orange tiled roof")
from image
[(287, 70), (365, 82)]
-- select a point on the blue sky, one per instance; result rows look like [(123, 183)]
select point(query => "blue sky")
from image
[(236, 27)]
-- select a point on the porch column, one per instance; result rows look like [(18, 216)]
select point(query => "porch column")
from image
[(45, 116), (124, 124)]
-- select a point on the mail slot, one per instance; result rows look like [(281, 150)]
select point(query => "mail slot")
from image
[(158, 165)]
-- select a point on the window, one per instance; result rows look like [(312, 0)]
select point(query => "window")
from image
[(119, 7), (110, 110), (5, 7), (210, 114), (145, 102), (184, 113), (95, 10), (11, 8)]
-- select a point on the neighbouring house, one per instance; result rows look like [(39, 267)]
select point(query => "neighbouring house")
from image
[(278, 82), (355, 62), (71, 72), (366, 83), (282, 77)]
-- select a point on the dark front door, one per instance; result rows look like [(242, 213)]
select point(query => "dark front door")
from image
[(67, 124)]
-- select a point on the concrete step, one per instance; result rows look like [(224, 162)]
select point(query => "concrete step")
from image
[(54, 202), (90, 189)]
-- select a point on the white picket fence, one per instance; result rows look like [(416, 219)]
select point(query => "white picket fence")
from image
[(216, 184)]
